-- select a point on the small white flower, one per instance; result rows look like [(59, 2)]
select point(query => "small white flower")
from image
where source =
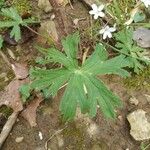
[(97, 11), (40, 135), (146, 2), (107, 32)]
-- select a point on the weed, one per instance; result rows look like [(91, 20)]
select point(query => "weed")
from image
[(134, 53), (14, 22)]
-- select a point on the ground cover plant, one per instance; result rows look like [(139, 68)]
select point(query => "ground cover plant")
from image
[(14, 21)]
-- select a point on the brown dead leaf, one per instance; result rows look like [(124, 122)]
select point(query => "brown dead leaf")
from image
[(11, 96), (20, 70), (30, 112)]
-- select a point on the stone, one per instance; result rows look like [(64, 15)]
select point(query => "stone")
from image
[(19, 139), (140, 127), (48, 29), (134, 101), (45, 5), (142, 37)]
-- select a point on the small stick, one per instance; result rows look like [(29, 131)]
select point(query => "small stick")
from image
[(7, 127), (57, 132)]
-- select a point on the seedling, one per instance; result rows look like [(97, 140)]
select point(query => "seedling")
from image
[(14, 22)]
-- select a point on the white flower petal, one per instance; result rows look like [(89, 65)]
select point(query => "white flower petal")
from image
[(101, 14), (96, 16), (109, 34), (105, 35), (94, 7), (102, 31), (112, 29), (91, 12), (101, 7)]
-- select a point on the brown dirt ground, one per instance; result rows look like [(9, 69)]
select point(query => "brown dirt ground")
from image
[(111, 135)]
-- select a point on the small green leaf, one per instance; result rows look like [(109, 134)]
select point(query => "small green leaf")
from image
[(25, 92), (138, 17), (15, 32)]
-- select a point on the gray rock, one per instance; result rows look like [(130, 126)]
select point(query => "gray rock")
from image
[(140, 127), (142, 37), (45, 5)]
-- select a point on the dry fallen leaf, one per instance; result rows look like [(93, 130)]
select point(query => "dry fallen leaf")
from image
[(30, 112), (20, 70), (11, 96)]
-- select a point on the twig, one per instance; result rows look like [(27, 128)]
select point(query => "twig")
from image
[(7, 127), (43, 36), (57, 132), (71, 4)]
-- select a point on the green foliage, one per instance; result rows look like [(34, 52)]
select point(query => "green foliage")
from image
[(25, 91), (144, 146), (139, 81), (83, 87), (14, 22), (139, 16), (22, 6), (1, 41), (119, 10), (2, 2), (134, 54)]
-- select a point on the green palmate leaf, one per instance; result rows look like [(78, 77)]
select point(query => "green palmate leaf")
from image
[(84, 89), (15, 21), (133, 53)]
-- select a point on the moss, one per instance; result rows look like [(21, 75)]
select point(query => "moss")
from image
[(74, 136), (6, 111), (140, 81), (23, 6)]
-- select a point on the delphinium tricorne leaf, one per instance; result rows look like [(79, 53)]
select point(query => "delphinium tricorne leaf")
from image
[(84, 89)]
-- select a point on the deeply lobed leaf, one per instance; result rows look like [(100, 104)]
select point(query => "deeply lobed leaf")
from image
[(84, 89)]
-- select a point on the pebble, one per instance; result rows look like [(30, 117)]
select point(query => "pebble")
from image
[(134, 101), (19, 139)]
